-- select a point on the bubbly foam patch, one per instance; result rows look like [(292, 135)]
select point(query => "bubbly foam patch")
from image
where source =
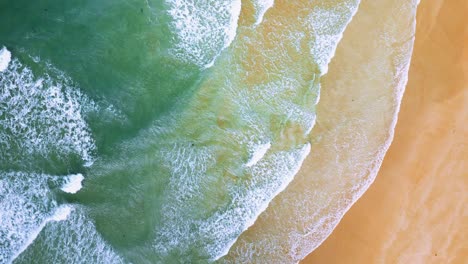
[(203, 28), (213, 197), (261, 6), (26, 206), (283, 166), (190, 170), (41, 116), (258, 154), (72, 240), (5, 58), (73, 183), (62, 213), (328, 25)]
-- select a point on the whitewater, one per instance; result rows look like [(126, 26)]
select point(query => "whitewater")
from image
[(164, 131)]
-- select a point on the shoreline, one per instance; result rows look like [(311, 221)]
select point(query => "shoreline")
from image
[(413, 213), (355, 118)]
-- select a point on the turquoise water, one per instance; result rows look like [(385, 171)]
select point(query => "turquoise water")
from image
[(183, 122)]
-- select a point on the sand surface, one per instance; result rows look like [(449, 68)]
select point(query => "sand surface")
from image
[(416, 211)]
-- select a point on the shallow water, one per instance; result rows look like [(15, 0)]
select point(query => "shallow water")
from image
[(356, 115), (185, 119)]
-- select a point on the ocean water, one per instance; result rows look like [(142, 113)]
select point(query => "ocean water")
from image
[(153, 131)]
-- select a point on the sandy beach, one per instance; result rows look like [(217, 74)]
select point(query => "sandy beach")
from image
[(415, 211)]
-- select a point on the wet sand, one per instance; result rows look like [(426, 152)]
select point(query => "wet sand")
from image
[(415, 212)]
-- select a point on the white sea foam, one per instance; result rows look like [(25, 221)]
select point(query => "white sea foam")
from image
[(26, 206), (281, 167), (221, 229), (230, 31), (208, 204), (328, 25), (62, 213), (302, 243), (203, 28), (261, 7), (258, 153), (317, 210), (73, 183), (5, 58), (41, 116), (195, 177), (73, 239), (366, 172)]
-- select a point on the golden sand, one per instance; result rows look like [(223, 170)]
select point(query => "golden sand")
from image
[(416, 211)]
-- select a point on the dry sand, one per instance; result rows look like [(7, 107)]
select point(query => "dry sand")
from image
[(417, 209)]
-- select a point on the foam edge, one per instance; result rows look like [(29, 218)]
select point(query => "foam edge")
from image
[(377, 163), (73, 183), (5, 58)]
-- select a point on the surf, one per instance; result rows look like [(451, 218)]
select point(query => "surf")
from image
[(41, 118), (28, 204), (183, 129), (5, 58), (350, 142)]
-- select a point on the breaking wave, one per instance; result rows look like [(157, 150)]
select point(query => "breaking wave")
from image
[(40, 117)]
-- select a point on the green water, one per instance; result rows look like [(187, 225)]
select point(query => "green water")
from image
[(116, 53), (179, 158), (113, 50)]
